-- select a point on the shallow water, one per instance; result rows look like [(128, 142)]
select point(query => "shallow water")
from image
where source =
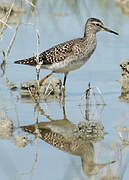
[(59, 21)]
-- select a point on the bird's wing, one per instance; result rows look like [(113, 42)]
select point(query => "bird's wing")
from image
[(53, 55), (57, 53)]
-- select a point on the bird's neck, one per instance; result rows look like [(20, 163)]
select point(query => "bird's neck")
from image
[(89, 31), (90, 38), (89, 34), (89, 42)]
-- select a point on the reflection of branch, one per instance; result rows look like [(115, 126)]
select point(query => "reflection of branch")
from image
[(3, 67), (37, 106), (17, 116), (123, 134), (125, 142), (34, 165), (87, 101), (90, 95), (100, 93), (31, 172)]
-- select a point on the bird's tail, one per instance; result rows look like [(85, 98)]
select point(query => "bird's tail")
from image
[(30, 61)]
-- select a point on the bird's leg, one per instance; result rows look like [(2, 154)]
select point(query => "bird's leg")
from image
[(63, 88), (42, 80), (63, 100)]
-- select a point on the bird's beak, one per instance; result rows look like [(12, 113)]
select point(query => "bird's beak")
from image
[(108, 30)]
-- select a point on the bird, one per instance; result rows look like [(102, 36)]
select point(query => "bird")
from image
[(69, 55)]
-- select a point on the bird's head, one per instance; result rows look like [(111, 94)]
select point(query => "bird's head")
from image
[(95, 25)]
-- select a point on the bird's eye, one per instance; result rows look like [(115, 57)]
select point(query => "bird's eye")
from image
[(97, 25)]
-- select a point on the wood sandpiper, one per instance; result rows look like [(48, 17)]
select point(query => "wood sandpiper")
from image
[(70, 55)]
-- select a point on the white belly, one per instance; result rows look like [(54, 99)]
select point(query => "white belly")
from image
[(66, 65), (70, 63)]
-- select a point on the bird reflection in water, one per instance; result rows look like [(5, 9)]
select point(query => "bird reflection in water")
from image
[(75, 139)]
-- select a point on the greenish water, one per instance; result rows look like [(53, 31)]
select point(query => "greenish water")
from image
[(59, 21)]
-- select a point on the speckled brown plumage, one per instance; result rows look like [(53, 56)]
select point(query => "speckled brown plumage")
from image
[(55, 54), (75, 50), (70, 55)]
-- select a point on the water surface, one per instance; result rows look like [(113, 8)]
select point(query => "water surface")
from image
[(59, 21)]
